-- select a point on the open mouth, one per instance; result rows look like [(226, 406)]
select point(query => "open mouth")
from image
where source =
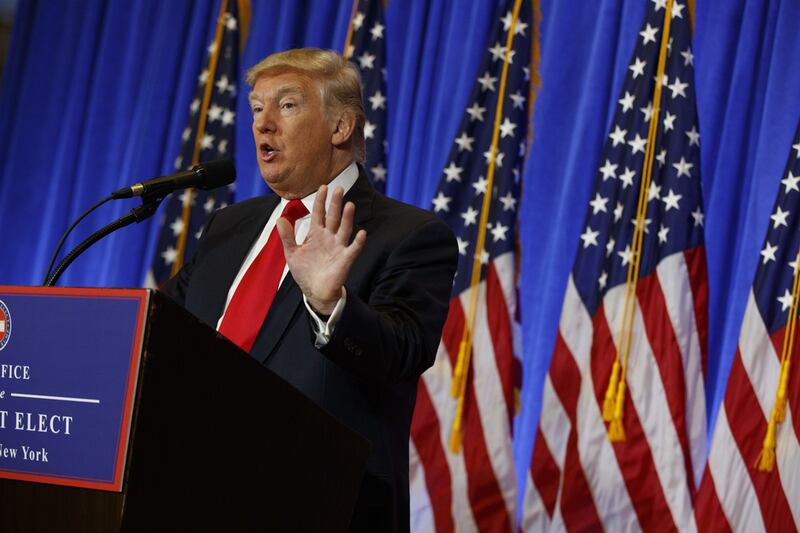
[(267, 152)]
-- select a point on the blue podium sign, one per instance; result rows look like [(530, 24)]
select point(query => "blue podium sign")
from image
[(69, 361)]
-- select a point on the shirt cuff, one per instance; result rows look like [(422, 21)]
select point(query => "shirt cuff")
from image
[(323, 329)]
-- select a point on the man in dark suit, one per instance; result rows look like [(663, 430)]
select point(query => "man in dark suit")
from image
[(351, 321)]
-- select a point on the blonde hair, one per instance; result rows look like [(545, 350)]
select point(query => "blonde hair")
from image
[(339, 80)]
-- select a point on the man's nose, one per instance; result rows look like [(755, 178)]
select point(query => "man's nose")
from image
[(264, 122)]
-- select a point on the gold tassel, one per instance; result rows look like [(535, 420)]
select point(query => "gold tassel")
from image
[(766, 459), (608, 403), (616, 431)]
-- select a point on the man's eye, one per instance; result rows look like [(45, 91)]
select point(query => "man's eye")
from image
[(288, 105), (256, 109)]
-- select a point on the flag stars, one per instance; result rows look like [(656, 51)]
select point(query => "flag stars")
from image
[(518, 101), (177, 226), (779, 218), (598, 204), (694, 136), (589, 237), (660, 4), (230, 22), (655, 191), (214, 113), (223, 84), (785, 300), (790, 182), (203, 78), (669, 121), (227, 117), (797, 147), (677, 10), (195, 106), (626, 255), (678, 88), (768, 253), (378, 172), (222, 147), (671, 200), (464, 142), (498, 159), (377, 101), (698, 216), (480, 185), (358, 20), (208, 207), (637, 144), (453, 172), (169, 255), (369, 130), (662, 157), (476, 112), (207, 142), (662, 234), (683, 167), (470, 216), (638, 67), (602, 280), (487, 82), (441, 202), (498, 52), (507, 128), (647, 111), (610, 246), (462, 246), (627, 177), (618, 135), (508, 201), (643, 225), (648, 34), (499, 232), (688, 57), (366, 61), (608, 170), (377, 31), (187, 132), (618, 209), (627, 101)]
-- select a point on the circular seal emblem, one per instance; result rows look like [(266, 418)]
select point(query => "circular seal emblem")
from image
[(5, 324)]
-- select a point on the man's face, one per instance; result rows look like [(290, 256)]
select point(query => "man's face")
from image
[(292, 133)]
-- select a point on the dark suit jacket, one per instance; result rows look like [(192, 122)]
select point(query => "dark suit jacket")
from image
[(397, 299)]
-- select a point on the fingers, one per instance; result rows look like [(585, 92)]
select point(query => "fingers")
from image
[(286, 233), (346, 225), (318, 211), (334, 214), (357, 245)]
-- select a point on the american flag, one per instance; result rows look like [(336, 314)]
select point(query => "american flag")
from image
[(472, 486), (366, 46), (735, 493), (579, 479), (209, 135)]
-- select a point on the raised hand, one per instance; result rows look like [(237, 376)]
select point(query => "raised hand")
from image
[(320, 264)]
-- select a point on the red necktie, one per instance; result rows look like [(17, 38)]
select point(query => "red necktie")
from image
[(250, 303)]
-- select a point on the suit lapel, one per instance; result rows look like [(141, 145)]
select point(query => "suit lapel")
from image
[(289, 298)]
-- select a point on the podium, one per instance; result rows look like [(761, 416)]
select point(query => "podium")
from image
[(208, 439)]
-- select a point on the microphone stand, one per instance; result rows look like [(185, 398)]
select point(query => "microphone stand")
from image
[(149, 205)]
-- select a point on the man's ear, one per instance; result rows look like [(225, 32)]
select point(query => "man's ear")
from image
[(344, 127)]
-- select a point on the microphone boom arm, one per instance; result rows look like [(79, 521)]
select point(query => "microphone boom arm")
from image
[(137, 214)]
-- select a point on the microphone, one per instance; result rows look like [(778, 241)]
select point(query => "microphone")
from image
[(205, 176)]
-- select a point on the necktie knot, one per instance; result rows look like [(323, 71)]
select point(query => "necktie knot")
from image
[(294, 210)]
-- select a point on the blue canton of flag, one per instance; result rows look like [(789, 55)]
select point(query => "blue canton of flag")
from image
[(460, 194), (211, 129), (367, 49), (775, 273), (674, 217)]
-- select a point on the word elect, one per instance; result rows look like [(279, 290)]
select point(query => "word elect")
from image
[(36, 422)]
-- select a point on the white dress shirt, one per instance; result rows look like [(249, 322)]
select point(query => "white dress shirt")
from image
[(324, 329)]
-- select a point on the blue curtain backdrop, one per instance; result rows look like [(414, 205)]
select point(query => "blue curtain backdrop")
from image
[(96, 95)]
